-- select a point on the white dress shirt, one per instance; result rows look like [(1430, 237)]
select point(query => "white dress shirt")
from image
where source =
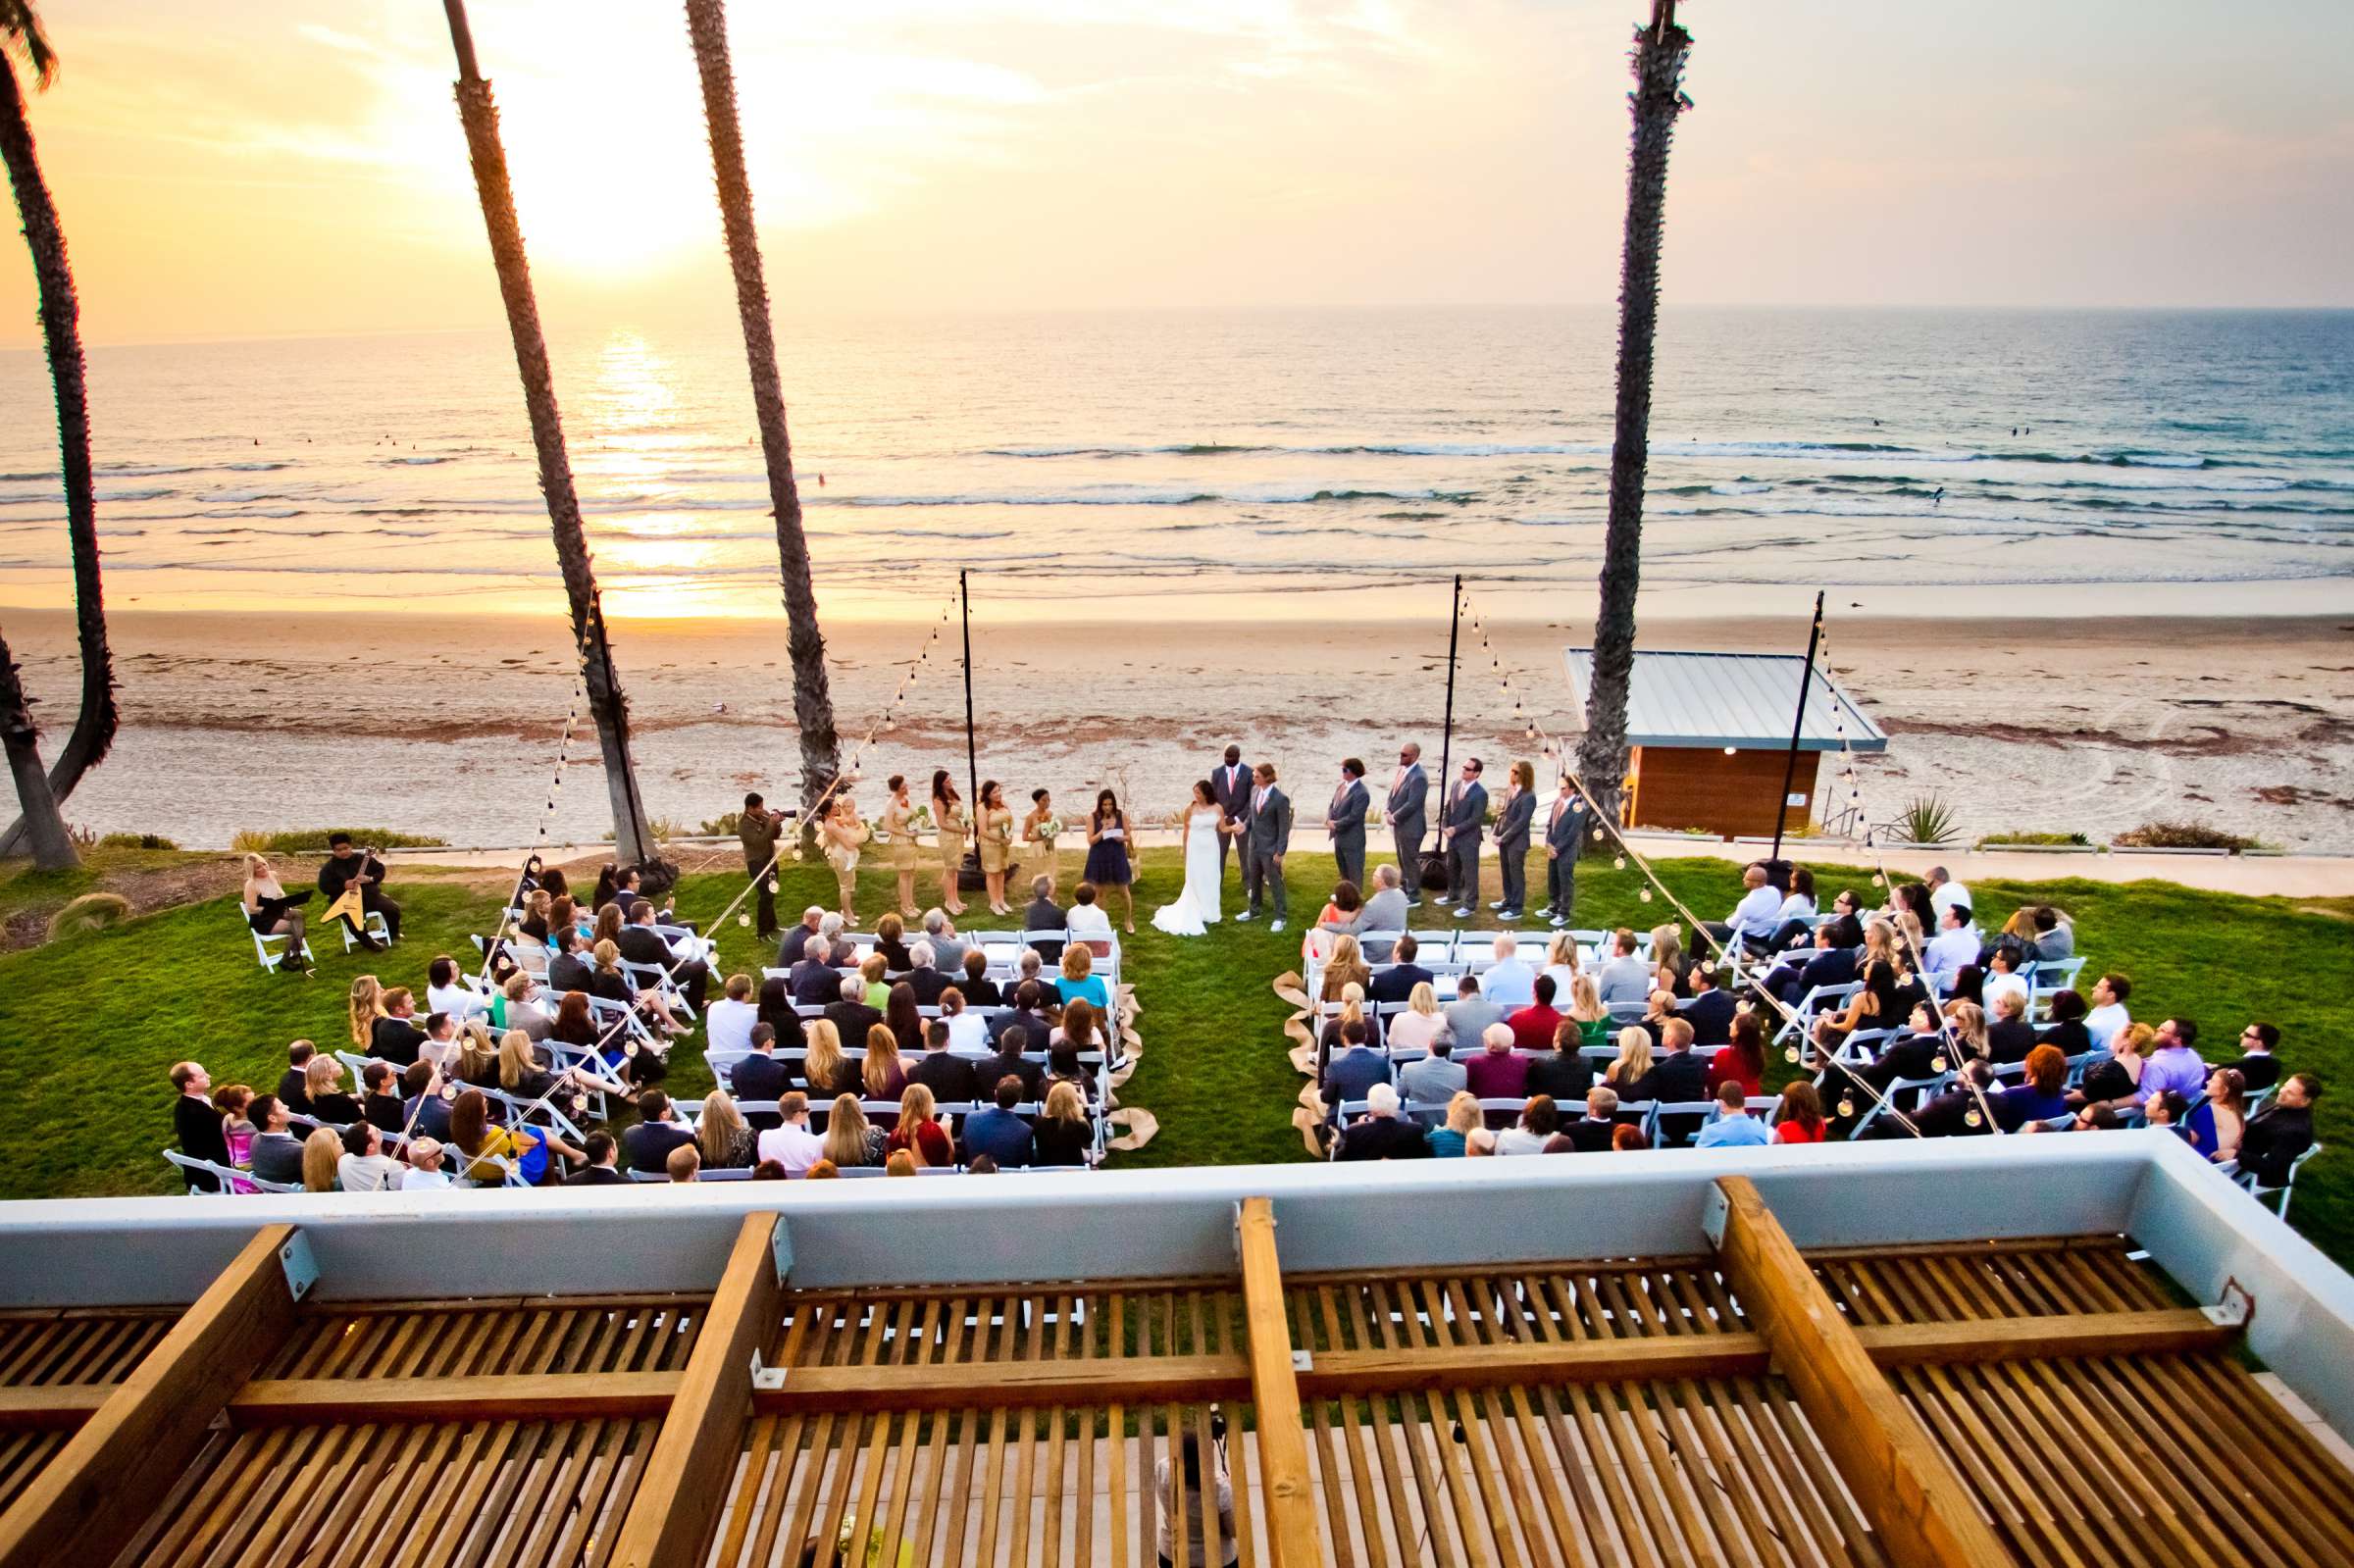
[(1946, 894), (1949, 950), (795, 1147), (1510, 984), (1757, 914), (2104, 1023), (727, 1029)]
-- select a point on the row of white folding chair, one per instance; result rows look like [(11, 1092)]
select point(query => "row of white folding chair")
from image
[(514, 1103), (230, 1180), (848, 1173), (1640, 1111), (1028, 1110)]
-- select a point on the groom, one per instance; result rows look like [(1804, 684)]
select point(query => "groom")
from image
[(1265, 834)]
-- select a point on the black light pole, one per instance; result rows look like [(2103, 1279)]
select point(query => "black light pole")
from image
[(1455, 633), (1798, 725), (972, 755)]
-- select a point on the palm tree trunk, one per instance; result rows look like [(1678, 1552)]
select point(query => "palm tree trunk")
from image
[(813, 701), (633, 839), (52, 846), (1657, 100), (93, 731)]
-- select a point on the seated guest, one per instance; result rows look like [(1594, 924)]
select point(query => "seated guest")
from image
[(291, 1083), (648, 1145), (196, 1122), (1508, 981), (1796, 917), (276, 1152), (1338, 918), (1063, 1135), (849, 1141), (686, 1163), (1741, 1063), (2009, 1036), (1420, 1022), (852, 1018), (2002, 978), (775, 1009), (789, 1142), (1711, 1010), (1355, 1068), (1063, 1067), (1591, 1133), (516, 1008), (1043, 913), (2268, 1143), (1586, 1011), (2065, 1032), (979, 990), (872, 975), (758, 1076), (996, 1132), (1562, 963), (722, 1138), (1626, 1138), (1559, 1071), (600, 1168), (1448, 1142), (796, 940), (825, 1069), (1960, 1111), (490, 1152), (1086, 919), (2214, 1128), (1470, 1015), (1533, 1027), (568, 968), (2042, 1096), (1734, 1127), (395, 1037), (968, 1031), (948, 949), (1799, 1117), (881, 1074), (348, 868), (1082, 1030), (381, 1102), (448, 991), (2108, 1014), (1624, 978), (816, 981), (1346, 967), (919, 1132), (2258, 1068), (233, 1100), (1827, 964), (1396, 983), (1539, 1122), (1012, 1060), (924, 979), (951, 1078), (2166, 1110), (1495, 1073), (322, 1085), (641, 943), (2054, 939), (1654, 1020), (424, 1112), (1755, 919), (1078, 979), (728, 1025), (424, 1173), (2115, 1084), (1381, 1133), (322, 1152), (890, 933), (441, 1042), (1385, 910), (1679, 1077), (1353, 1010), (904, 1019), (364, 1166), (1433, 1079), (2175, 1062), (1629, 1073), (1956, 944)]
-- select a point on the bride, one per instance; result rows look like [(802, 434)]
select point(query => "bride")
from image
[(1196, 908)]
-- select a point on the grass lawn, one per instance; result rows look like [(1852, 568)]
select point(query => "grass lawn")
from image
[(90, 1024)]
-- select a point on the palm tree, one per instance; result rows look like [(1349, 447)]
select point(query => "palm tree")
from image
[(812, 702), (93, 731), (52, 846), (633, 837), (1657, 100)]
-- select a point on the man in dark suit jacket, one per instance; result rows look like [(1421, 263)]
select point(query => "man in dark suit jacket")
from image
[(599, 1171), (1232, 784), (1513, 822), (1458, 837), (815, 982), (850, 1017), (951, 1079), (641, 943), (760, 1077), (1028, 1014), (648, 1145), (1383, 1135), (1345, 823), (1680, 1076), (396, 1040), (1396, 983), (925, 979), (790, 951), (1711, 1010), (1828, 965), (1592, 1132), (1265, 835), (1408, 810), (1043, 913), (1010, 1061), (2273, 1138), (569, 970), (2259, 1069), (1562, 848)]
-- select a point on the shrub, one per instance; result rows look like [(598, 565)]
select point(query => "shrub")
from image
[(313, 840), (135, 841), (90, 912), (722, 827), (1927, 820), (1996, 839), (2182, 836)]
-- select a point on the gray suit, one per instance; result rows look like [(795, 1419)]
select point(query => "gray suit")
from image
[(1349, 809), (1386, 910), (1409, 809), (1467, 1021), (1267, 836), (1432, 1081), (1512, 848), (1466, 809), (1234, 805), (1561, 870)]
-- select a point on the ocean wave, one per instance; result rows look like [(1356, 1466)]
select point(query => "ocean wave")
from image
[(1150, 495), (254, 468)]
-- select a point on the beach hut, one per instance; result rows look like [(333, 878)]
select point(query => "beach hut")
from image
[(1708, 738)]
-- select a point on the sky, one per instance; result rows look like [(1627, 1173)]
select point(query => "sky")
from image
[(250, 168)]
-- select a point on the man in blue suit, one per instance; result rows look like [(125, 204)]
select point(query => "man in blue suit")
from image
[(1458, 837)]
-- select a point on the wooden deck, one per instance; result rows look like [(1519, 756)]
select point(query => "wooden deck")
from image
[(2034, 1402)]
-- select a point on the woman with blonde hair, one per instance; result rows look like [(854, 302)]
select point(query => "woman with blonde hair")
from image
[(477, 1060), (997, 844), (919, 1132), (323, 1087), (1080, 982), (896, 829), (824, 1068), (722, 1136), (1452, 1142), (367, 1006), (1587, 1012), (322, 1152), (849, 1141), (951, 826), (1562, 963), (1420, 1022), (271, 913), (607, 927), (839, 837), (1353, 1011), (873, 969), (1063, 1135), (1631, 1068), (881, 1074), (1671, 969), (1346, 967), (1966, 1022)]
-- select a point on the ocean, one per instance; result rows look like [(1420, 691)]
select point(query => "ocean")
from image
[(1170, 464)]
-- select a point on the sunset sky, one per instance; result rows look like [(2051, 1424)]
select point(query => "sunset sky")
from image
[(231, 168)]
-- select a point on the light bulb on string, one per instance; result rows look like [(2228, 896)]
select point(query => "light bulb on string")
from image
[(744, 919), (1619, 864), (1790, 1055), (1971, 1117), (1847, 1107), (1646, 895)]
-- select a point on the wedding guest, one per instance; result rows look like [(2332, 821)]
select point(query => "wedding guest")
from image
[(271, 913), (789, 1142), (380, 1098), (1593, 1133), (788, 951), (950, 1077), (881, 1077), (1755, 919), (2257, 1067), (1562, 848), (2042, 1096), (2108, 1014), (276, 1152), (1508, 981), (918, 1132), (1741, 1062), (446, 991), (1559, 1069), (1433, 1079), (1420, 1023), (323, 1087), (996, 1132), (1586, 1011), (1469, 1015), (424, 1173), (1670, 967), (722, 1136), (1496, 1072), (1711, 1010), (728, 1025), (1796, 917), (1396, 981), (234, 1102), (1956, 944), (1629, 1073), (1063, 1135), (2268, 1143), (1460, 824), (2214, 1128), (1734, 1127), (1450, 1141), (569, 967), (2009, 1036), (850, 1014), (348, 868), (648, 1145), (364, 1166), (872, 970), (1513, 816), (198, 1125), (948, 947), (2175, 1061), (1353, 1068), (904, 1019), (1043, 913), (850, 1141), (2054, 939), (1078, 979), (979, 990), (1408, 807), (1345, 821), (1799, 1117), (1534, 1025), (1381, 1133), (322, 1152), (896, 829), (890, 935), (1107, 865), (1624, 978), (2066, 1029)]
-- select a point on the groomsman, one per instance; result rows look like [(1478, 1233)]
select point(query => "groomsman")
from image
[(1408, 806), (1458, 837), (1266, 834), (1230, 782), (1346, 822), (1513, 820), (1561, 855)]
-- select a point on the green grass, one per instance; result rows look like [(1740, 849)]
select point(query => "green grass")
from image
[(89, 1025)]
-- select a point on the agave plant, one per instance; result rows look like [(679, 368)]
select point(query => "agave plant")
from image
[(1926, 819)]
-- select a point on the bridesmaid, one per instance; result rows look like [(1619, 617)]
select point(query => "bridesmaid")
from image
[(1042, 811), (895, 831), (1108, 854), (949, 817), (997, 844), (841, 836)]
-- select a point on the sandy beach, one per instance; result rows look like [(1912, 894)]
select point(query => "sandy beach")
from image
[(442, 725)]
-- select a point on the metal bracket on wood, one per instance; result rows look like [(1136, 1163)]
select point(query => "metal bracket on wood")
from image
[(1713, 1211), (302, 1269), (1304, 1361), (2234, 1308), (781, 1240), (766, 1378)]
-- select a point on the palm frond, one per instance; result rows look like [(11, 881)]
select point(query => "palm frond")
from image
[(20, 33)]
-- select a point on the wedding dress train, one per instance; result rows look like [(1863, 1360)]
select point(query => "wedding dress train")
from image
[(1196, 909)]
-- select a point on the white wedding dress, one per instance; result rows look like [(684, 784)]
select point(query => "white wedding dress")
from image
[(1196, 909)]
